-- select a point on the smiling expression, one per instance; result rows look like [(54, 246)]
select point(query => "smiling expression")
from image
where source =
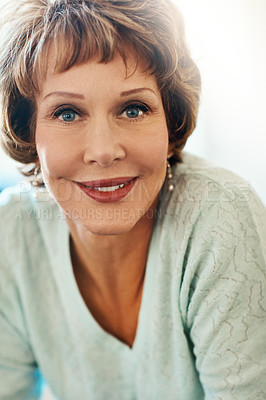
[(102, 142)]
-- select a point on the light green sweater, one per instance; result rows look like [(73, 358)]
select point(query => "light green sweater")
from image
[(202, 325)]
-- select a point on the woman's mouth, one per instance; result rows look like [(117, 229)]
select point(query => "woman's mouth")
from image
[(108, 190)]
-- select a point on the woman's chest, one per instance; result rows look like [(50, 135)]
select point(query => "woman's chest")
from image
[(118, 318)]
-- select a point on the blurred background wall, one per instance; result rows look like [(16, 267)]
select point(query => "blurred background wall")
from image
[(227, 39)]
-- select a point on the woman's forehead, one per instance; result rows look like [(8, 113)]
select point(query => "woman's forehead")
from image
[(51, 63)]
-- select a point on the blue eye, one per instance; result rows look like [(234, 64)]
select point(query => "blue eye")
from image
[(66, 115), (134, 111)]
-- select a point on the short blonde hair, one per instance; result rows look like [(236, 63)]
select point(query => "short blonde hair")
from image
[(153, 29)]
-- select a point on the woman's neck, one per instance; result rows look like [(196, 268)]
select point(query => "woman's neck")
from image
[(110, 273), (111, 260)]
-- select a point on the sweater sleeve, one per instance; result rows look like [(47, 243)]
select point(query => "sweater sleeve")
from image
[(19, 375), (226, 308)]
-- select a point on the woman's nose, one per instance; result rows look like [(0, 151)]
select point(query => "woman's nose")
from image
[(103, 145)]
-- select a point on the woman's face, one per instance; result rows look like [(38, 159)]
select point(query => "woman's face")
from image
[(102, 142)]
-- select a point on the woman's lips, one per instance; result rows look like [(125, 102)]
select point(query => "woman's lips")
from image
[(108, 190)]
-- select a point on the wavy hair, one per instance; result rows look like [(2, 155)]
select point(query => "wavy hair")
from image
[(81, 30)]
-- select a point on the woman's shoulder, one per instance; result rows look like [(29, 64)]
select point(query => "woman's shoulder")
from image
[(23, 203), (199, 181), (213, 180), (27, 221), (208, 198)]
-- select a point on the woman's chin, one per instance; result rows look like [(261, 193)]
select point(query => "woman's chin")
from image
[(104, 226)]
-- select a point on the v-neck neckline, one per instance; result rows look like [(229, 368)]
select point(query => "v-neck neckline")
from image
[(77, 310)]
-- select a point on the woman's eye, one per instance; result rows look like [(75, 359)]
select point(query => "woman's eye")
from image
[(66, 115), (134, 111)]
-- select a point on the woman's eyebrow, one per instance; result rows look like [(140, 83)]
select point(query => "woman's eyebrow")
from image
[(80, 96), (64, 94), (133, 91)]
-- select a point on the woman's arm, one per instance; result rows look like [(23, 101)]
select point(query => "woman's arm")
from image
[(226, 314), (19, 375)]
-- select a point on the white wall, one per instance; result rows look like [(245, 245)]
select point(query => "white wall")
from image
[(228, 41)]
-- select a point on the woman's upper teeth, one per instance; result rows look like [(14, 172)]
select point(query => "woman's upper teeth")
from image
[(109, 188)]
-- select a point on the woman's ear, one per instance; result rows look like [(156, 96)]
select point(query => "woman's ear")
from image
[(170, 152)]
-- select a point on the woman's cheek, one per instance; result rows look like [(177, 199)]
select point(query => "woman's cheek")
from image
[(57, 160)]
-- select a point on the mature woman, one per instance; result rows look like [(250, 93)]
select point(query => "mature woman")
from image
[(128, 270)]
